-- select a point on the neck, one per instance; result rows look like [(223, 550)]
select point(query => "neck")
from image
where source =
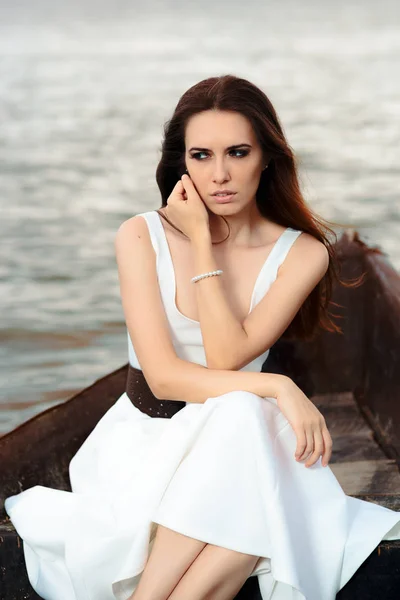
[(244, 227)]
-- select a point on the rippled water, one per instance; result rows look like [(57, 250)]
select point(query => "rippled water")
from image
[(85, 88)]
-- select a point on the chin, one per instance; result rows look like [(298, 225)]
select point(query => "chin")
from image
[(223, 209), (216, 205)]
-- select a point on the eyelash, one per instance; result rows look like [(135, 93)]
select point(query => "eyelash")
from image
[(244, 153)]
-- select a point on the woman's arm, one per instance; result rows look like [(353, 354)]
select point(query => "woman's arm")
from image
[(230, 344), (194, 383), (221, 331), (184, 380), (168, 376)]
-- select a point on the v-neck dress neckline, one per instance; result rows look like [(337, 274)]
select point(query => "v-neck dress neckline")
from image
[(263, 269)]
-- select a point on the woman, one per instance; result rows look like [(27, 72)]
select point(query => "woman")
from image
[(224, 488)]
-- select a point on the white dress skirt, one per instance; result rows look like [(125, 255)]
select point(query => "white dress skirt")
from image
[(222, 472)]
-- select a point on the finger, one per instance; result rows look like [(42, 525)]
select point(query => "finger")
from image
[(328, 446), (182, 190), (189, 186), (177, 189), (318, 448), (178, 193), (309, 444), (301, 442)]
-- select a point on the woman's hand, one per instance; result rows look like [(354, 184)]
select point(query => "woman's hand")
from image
[(313, 437), (186, 209)]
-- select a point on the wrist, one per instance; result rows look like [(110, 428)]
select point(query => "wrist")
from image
[(281, 383), (201, 237)]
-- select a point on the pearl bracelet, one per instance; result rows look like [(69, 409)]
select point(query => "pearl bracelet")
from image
[(210, 274)]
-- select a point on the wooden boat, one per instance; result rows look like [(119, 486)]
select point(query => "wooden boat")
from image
[(353, 378)]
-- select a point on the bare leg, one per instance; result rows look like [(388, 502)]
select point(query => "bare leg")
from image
[(170, 557), (216, 574)]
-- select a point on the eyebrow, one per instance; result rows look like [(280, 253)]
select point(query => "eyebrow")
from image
[(228, 148)]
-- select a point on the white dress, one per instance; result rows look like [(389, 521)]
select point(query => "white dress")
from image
[(222, 472)]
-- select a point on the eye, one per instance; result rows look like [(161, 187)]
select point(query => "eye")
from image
[(197, 154), (244, 153)]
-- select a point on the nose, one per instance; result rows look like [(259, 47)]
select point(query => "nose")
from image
[(221, 173)]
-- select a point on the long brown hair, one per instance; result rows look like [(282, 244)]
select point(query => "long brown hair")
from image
[(278, 196)]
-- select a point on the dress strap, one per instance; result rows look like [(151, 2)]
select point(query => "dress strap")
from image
[(285, 243), (275, 259)]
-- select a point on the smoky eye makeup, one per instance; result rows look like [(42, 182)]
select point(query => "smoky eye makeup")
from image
[(243, 152)]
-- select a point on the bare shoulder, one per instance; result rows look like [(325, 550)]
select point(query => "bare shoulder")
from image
[(142, 304), (135, 226), (307, 250), (133, 239)]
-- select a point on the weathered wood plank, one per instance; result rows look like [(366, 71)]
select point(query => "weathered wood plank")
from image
[(368, 476), (353, 439)]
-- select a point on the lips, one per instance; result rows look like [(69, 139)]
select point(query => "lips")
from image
[(227, 192), (223, 199)]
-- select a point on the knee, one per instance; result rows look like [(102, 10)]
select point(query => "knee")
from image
[(240, 405)]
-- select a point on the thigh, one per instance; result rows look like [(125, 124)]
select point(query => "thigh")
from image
[(217, 573), (171, 555)]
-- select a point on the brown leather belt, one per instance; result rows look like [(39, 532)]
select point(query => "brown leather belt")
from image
[(141, 396)]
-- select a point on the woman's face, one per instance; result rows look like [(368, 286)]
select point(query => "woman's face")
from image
[(213, 165)]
